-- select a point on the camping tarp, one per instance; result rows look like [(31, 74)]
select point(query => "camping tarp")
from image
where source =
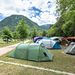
[(31, 52)]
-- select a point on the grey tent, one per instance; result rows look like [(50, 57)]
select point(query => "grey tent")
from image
[(70, 49), (33, 52)]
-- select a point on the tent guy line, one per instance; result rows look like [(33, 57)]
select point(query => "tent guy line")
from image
[(35, 67)]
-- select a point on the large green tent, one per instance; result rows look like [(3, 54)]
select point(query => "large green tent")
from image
[(33, 52)]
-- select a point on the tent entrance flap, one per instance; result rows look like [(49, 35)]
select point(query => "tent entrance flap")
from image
[(47, 54)]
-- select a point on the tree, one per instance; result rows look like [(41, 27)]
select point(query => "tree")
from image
[(65, 25), (65, 6), (6, 34), (51, 31), (69, 28), (44, 33), (15, 35), (22, 29), (69, 23), (34, 32)]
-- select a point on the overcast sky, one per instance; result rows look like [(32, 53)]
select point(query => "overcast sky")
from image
[(39, 11)]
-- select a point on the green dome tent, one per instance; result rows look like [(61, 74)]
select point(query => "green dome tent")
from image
[(33, 52)]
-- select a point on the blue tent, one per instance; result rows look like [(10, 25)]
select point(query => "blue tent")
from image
[(47, 43), (57, 46)]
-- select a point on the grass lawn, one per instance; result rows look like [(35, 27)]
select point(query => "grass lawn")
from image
[(6, 69), (3, 44), (61, 61)]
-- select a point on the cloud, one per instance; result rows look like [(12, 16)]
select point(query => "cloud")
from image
[(46, 18), (40, 11), (34, 11), (1, 16)]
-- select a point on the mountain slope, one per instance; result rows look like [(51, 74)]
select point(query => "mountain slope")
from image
[(13, 20), (46, 27)]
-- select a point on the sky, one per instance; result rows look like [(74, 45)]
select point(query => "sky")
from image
[(40, 11)]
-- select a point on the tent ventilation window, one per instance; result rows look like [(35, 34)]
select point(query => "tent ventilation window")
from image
[(44, 53)]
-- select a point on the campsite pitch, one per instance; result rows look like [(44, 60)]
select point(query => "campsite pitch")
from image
[(37, 68), (61, 62)]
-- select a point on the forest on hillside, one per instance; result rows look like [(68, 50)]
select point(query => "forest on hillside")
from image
[(21, 31), (65, 25)]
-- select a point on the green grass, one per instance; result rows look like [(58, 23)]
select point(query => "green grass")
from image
[(7, 44), (61, 61), (6, 69), (3, 44)]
